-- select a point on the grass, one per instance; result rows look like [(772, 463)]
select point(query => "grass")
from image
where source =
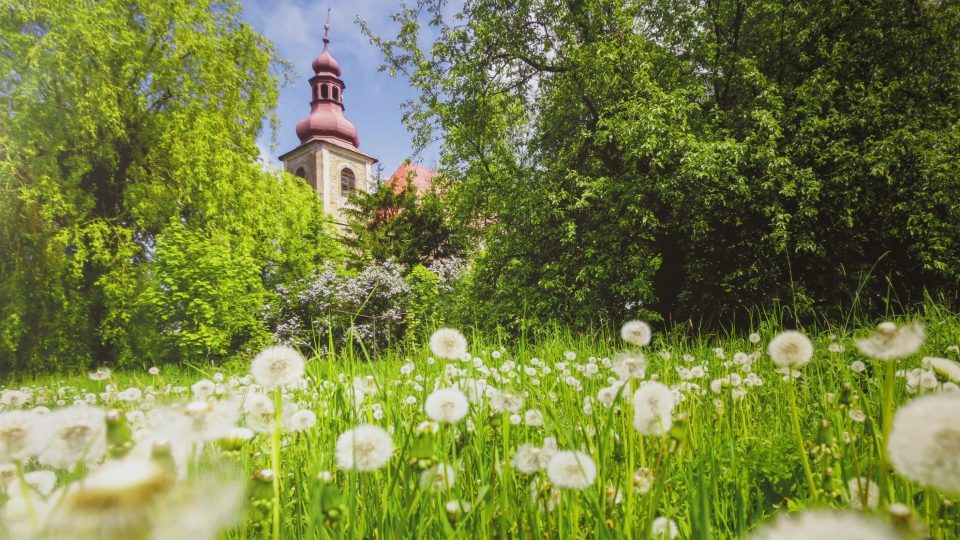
[(727, 464)]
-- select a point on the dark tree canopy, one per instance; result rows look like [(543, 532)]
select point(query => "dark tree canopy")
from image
[(695, 158)]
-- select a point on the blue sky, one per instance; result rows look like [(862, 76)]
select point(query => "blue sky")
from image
[(373, 99)]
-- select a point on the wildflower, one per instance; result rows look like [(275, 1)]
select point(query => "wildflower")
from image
[(440, 477), (447, 405), (925, 441), (154, 371), (277, 366), (754, 338), (14, 398), (642, 480), (652, 409), (664, 529), (365, 385), (857, 415), (203, 388), (17, 433), (448, 343), (74, 434), (636, 333), (892, 342), (533, 417), (506, 402), (629, 365), (455, 508), (100, 374), (864, 493), (364, 448), (825, 524), (857, 366), (119, 484), (572, 470), (300, 420), (948, 369), (790, 349)]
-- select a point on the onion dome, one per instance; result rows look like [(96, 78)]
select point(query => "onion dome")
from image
[(326, 120)]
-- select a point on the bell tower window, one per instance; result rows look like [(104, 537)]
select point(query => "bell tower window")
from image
[(301, 173), (336, 94), (323, 92), (347, 182)]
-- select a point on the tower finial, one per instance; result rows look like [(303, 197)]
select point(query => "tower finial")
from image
[(326, 28)]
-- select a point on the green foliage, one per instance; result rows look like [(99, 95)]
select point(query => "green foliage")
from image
[(136, 225), (695, 159), (399, 224)]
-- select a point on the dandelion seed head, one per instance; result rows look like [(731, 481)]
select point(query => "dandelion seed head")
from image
[(448, 343), (653, 406), (364, 448), (892, 342), (790, 349), (571, 469), (947, 369), (825, 524), (664, 529), (864, 493), (447, 405), (636, 333), (278, 366), (925, 441)]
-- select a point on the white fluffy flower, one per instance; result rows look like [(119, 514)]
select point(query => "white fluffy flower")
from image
[(448, 343), (636, 333), (572, 469), (506, 402), (925, 441), (448, 405), (864, 493), (629, 365), (664, 529), (892, 342), (277, 366), (300, 420), (364, 448), (653, 408), (17, 435), (790, 349), (530, 459), (440, 477), (948, 369), (73, 434), (533, 417), (825, 524)]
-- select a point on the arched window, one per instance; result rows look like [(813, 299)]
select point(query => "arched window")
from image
[(336, 94), (347, 182), (301, 173), (323, 92)]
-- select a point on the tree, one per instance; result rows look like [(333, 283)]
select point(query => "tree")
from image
[(136, 225), (397, 223), (694, 159)]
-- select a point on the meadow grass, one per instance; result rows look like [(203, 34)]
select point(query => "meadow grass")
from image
[(730, 460)]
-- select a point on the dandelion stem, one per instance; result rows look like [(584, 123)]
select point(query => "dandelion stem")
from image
[(275, 461), (886, 417), (795, 419)]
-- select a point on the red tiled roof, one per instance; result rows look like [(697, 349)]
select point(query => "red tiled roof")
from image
[(421, 176)]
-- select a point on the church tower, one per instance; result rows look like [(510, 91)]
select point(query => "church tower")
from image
[(329, 156)]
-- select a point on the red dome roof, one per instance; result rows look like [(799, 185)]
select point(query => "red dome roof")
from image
[(326, 63), (326, 120)]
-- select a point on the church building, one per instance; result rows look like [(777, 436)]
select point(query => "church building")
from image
[(329, 156)]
